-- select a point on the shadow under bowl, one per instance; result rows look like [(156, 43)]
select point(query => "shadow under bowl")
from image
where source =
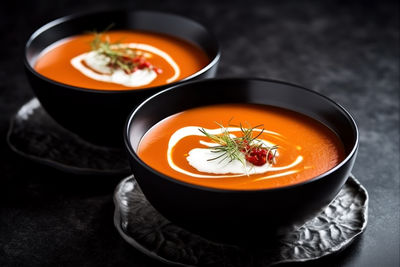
[(240, 215), (98, 116)]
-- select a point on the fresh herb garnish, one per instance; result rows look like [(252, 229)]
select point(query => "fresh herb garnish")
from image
[(120, 57), (243, 148)]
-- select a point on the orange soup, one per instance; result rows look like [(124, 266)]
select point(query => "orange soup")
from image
[(241, 146), (120, 60)]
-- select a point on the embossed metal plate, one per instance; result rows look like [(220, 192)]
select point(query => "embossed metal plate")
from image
[(331, 231), (35, 135)]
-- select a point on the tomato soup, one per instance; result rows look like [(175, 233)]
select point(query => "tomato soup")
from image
[(120, 60), (241, 146)]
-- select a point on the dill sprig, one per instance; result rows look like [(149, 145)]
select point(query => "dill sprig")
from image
[(240, 148), (228, 146), (119, 57), (125, 58)]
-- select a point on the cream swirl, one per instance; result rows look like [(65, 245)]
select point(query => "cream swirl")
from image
[(198, 157), (95, 66)]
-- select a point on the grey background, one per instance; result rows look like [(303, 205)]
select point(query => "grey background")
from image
[(347, 50)]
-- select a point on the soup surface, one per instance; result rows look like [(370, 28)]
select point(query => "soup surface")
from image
[(120, 60), (240, 146)]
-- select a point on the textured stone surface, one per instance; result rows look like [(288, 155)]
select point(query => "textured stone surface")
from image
[(329, 232), (348, 50)]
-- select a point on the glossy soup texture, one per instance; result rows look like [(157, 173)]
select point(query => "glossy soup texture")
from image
[(306, 148), (55, 61)]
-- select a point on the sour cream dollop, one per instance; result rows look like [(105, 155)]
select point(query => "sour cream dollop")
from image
[(95, 66)]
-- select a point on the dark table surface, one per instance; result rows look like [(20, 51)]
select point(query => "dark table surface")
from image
[(348, 51)]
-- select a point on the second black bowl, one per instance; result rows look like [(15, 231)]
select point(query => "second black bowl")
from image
[(240, 214), (99, 115)]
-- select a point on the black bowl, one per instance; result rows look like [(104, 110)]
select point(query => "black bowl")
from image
[(97, 115), (240, 215)]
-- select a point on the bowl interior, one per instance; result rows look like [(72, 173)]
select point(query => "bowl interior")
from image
[(255, 91), (157, 22)]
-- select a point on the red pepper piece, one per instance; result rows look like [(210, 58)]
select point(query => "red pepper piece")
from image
[(144, 65), (257, 156), (270, 156), (157, 70), (139, 59)]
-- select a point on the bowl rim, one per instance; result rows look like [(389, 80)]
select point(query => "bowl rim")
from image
[(132, 153), (58, 21)]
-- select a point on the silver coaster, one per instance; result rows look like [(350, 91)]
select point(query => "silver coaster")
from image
[(35, 135), (146, 230)]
